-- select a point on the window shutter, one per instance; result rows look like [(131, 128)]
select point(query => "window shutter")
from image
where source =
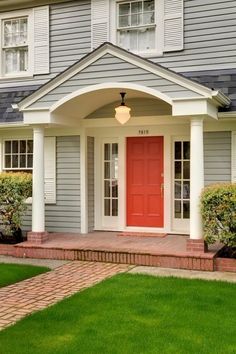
[(50, 169), (173, 25), (233, 158), (99, 22), (41, 40)]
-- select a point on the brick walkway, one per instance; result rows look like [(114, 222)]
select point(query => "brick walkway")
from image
[(25, 297)]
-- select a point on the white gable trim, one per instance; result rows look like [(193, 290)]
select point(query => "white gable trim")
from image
[(109, 85), (126, 56)]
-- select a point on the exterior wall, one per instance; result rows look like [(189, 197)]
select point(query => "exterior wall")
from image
[(217, 157), (90, 164), (64, 216)]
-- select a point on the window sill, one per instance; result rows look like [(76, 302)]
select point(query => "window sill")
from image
[(16, 77)]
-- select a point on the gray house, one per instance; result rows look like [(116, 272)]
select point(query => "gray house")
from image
[(122, 110)]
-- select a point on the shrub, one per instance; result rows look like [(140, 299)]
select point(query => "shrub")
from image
[(218, 207), (15, 188)]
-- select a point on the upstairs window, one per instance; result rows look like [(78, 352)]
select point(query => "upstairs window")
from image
[(15, 45), (137, 25), (24, 42)]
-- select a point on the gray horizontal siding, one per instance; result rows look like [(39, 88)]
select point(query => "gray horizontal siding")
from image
[(217, 157), (64, 216), (209, 37), (109, 69), (90, 164)]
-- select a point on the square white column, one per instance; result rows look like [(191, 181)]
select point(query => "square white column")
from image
[(196, 178)]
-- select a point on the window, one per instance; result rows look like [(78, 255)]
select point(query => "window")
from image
[(111, 179), (136, 25), (182, 179), (24, 42), (18, 155), (15, 45)]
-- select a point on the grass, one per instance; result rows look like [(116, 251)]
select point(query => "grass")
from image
[(12, 273), (132, 314)]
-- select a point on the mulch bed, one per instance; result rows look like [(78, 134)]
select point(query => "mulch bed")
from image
[(227, 252)]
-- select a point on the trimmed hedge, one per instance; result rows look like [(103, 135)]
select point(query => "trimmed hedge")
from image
[(15, 188), (218, 207)]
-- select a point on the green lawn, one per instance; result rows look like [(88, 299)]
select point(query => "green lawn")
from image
[(12, 273), (133, 314)]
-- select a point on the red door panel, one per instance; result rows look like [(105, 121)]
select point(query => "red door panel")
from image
[(144, 181)]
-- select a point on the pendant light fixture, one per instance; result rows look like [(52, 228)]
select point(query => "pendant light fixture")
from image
[(122, 112)]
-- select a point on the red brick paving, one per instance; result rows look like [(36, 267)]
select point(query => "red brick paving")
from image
[(30, 295)]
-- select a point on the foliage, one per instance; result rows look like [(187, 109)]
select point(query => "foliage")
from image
[(218, 207), (15, 188)]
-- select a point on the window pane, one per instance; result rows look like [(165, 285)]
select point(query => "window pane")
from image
[(136, 7), (136, 20), (186, 190), (178, 190), (115, 189), (186, 210), (30, 146), (30, 161), (178, 150), (15, 161), (124, 9), (114, 207), (186, 169), (146, 39), (107, 154), (178, 169), (22, 161), (148, 5), (107, 170), (114, 150), (124, 21), (15, 146), (8, 161), (177, 209), (7, 33), (107, 207), (148, 18), (7, 147), (23, 31), (22, 146), (107, 189), (133, 40), (186, 150)]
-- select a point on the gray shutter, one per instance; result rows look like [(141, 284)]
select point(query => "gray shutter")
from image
[(50, 170), (99, 22), (173, 25), (233, 158), (41, 40)]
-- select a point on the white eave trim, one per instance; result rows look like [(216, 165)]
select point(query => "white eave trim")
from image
[(120, 53), (220, 98)]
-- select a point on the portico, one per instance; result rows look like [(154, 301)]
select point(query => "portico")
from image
[(163, 105)]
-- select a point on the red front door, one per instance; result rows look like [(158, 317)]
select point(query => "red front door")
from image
[(145, 181)]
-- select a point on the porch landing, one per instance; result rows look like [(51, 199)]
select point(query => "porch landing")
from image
[(167, 252)]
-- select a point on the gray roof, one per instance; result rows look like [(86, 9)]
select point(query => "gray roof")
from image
[(8, 97), (224, 80)]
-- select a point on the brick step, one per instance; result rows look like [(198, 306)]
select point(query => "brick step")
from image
[(191, 262)]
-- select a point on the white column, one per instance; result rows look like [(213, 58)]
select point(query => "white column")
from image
[(196, 177), (83, 182), (38, 212)]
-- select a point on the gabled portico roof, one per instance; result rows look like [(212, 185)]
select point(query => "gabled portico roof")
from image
[(110, 66)]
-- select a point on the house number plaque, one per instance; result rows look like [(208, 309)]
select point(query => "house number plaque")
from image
[(143, 132)]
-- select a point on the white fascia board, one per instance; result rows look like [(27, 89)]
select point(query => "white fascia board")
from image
[(37, 117), (135, 60), (193, 108)]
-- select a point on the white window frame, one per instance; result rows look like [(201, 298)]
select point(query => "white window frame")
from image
[(10, 16), (178, 224), (4, 168), (159, 27)]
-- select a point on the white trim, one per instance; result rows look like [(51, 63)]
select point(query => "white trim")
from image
[(108, 85), (15, 14), (83, 183), (109, 49)]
